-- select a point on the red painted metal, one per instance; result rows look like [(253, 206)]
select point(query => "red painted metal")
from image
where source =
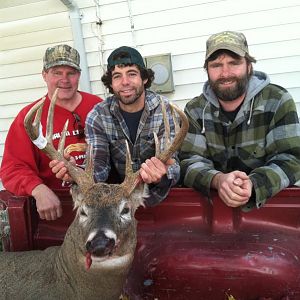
[(191, 248)]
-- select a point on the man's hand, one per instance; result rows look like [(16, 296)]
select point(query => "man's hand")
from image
[(59, 169), (47, 203), (152, 170), (233, 188)]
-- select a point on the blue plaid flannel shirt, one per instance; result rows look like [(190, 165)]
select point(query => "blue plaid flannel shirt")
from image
[(107, 131)]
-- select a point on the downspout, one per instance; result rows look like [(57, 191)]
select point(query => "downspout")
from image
[(131, 23), (75, 17)]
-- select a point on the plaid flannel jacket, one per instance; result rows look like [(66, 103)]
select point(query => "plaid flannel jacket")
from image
[(263, 141), (107, 131)]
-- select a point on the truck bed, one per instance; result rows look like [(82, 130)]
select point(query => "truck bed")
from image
[(190, 247)]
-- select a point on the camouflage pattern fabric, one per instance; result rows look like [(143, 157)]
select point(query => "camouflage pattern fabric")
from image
[(61, 55), (229, 40)]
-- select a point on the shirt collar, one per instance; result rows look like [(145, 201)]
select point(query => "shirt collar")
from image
[(151, 102)]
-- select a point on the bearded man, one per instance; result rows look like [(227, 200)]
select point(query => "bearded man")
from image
[(244, 134)]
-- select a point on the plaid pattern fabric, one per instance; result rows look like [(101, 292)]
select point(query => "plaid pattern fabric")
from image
[(107, 131), (263, 141)]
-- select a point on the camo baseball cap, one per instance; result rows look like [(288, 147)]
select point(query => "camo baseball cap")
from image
[(229, 40), (61, 55), (125, 55)]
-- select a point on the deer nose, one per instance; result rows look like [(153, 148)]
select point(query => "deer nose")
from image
[(100, 245)]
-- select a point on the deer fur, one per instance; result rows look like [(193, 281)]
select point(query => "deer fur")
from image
[(99, 246), (60, 272)]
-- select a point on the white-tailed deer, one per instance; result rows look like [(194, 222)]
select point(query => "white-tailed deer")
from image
[(99, 246)]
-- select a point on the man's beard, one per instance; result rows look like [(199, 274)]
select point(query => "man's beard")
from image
[(130, 100), (230, 93)]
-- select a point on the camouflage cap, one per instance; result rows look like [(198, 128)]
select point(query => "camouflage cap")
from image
[(229, 40), (125, 55), (61, 55)]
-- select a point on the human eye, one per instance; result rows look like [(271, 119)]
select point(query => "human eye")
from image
[(236, 63), (215, 65), (72, 74), (132, 74), (56, 73), (116, 76)]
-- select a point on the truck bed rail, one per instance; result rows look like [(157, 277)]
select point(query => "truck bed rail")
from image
[(192, 248)]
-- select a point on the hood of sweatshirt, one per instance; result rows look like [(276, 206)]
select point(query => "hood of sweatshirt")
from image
[(256, 83)]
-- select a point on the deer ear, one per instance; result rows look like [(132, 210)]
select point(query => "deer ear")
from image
[(146, 193), (76, 195), (139, 194)]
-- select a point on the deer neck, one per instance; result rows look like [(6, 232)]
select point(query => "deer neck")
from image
[(87, 284)]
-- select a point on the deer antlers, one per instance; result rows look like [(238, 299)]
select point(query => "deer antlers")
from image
[(84, 179), (33, 128), (133, 179)]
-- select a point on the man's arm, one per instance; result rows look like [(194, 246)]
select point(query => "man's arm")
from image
[(234, 188), (160, 177), (20, 174), (19, 171), (282, 165), (197, 168), (47, 203), (96, 136)]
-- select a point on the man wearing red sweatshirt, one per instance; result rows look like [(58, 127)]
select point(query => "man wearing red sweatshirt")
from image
[(25, 169)]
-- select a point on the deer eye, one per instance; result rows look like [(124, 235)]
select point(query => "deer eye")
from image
[(83, 216), (83, 213), (125, 211)]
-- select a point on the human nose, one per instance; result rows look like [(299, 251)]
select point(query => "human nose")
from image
[(64, 77), (125, 80), (225, 71)]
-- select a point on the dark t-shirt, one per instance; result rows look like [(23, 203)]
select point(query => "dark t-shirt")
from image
[(132, 121), (230, 115)]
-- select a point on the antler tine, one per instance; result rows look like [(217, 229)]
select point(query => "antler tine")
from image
[(167, 128), (128, 166), (34, 131), (61, 144), (166, 122), (133, 179), (49, 130), (179, 137), (156, 143), (89, 168)]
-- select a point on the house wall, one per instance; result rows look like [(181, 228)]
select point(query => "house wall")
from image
[(28, 27), (182, 28)]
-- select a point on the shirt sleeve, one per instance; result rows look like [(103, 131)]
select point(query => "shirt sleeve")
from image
[(19, 169), (96, 136), (282, 166), (158, 192), (197, 167)]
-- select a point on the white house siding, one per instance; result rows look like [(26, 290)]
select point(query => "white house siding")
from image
[(27, 27), (181, 28)]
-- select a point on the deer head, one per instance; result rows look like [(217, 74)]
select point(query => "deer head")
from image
[(111, 240)]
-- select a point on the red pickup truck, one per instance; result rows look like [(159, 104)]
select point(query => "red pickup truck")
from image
[(189, 247)]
